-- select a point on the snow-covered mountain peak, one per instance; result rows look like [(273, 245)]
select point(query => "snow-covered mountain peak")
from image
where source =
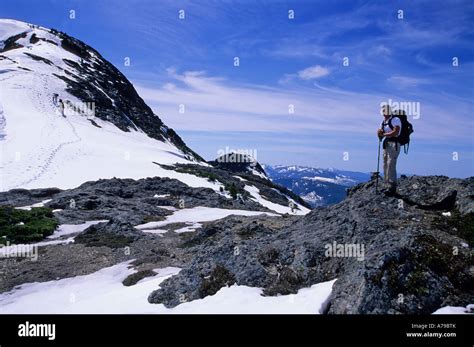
[(11, 27), (18, 38), (101, 129)]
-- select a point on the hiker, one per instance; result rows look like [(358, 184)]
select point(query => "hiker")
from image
[(388, 133), (61, 107), (55, 99)]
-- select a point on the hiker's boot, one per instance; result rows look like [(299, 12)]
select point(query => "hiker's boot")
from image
[(391, 190)]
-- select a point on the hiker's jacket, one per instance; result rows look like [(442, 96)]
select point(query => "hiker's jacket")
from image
[(393, 121)]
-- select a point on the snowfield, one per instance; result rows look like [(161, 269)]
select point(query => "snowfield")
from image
[(469, 309), (192, 217), (29, 207), (42, 149), (255, 193), (68, 229), (103, 292)]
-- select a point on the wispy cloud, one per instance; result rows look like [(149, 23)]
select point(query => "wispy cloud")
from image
[(406, 81), (313, 72), (307, 74), (217, 104)]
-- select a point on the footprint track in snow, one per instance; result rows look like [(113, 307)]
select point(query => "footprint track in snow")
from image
[(43, 108)]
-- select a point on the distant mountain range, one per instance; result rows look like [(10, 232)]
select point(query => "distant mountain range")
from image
[(318, 187)]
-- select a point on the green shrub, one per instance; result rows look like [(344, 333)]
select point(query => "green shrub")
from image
[(98, 238), (212, 177), (197, 172), (232, 189), (20, 226)]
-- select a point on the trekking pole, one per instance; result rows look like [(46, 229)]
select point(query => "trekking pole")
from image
[(378, 165)]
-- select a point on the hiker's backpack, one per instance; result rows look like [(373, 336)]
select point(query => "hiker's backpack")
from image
[(407, 128)]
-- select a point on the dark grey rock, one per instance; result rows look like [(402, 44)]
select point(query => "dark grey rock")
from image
[(409, 265)]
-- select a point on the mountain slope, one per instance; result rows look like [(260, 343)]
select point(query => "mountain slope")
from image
[(108, 130), (318, 187)]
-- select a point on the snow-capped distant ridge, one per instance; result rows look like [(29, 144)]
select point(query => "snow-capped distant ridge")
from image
[(316, 186), (107, 129), (312, 198), (322, 174), (343, 180), (297, 168)]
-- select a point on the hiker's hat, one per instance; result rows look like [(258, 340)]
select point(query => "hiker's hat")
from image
[(385, 109)]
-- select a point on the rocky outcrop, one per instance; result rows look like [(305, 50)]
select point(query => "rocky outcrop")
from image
[(239, 163), (410, 253), (227, 176), (396, 255), (125, 200)]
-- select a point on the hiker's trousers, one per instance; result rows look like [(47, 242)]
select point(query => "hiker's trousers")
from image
[(390, 155)]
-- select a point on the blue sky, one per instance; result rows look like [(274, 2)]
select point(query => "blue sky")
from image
[(286, 62)]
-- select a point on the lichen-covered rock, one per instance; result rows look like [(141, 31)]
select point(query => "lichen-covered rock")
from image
[(407, 262)]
